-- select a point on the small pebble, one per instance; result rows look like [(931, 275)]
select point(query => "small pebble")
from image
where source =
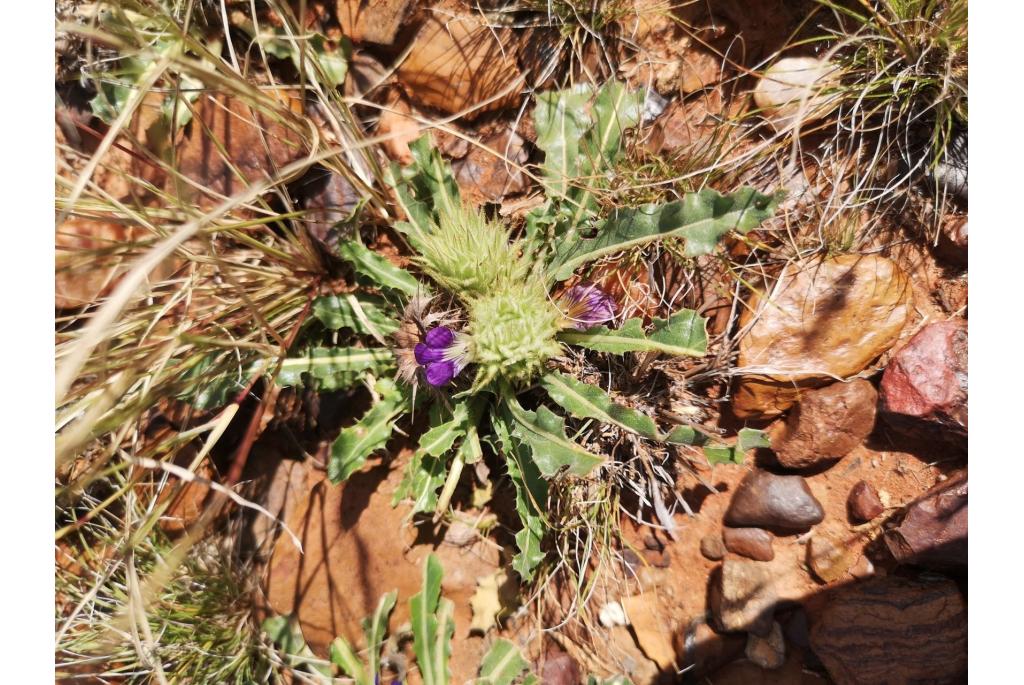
[(753, 543), (863, 503), (712, 547), (767, 652)]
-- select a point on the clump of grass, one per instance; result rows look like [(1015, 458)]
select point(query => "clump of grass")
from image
[(113, 622), (208, 292)]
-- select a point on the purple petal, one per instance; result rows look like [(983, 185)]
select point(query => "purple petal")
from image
[(440, 373), (426, 355), (589, 306), (439, 337)]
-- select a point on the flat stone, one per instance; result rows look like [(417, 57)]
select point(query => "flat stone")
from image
[(753, 543), (829, 558), (744, 599), (823, 320), (933, 530), (826, 424), (796, 89), (863, 503), (893, 630), (764, 499), (459, 62)]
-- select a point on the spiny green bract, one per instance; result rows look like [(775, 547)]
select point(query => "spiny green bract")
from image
[(513, 331), (469, 255)]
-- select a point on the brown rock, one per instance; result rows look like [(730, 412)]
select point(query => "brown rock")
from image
[(829, 557), (894, 631), (560, 669), (256, 145), (699, 69), (863, 504), (822, 320), (765, 499), (753, 543), (373, 21), (767, 652), (712, 547), (826, 425), (687, 126), (744, 598), (328, 198), (933, 532), (459, 62), (928, 378), (485, 176)]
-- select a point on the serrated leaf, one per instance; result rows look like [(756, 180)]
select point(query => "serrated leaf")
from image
[(362, 313), (439, 439), (683, 335), (586, 401), (432, 625), (377, 268), (213, 390), (502, 664), (334, 368), (701, 218), (746, 440), (531, 496), (544, 432), (355, 443)]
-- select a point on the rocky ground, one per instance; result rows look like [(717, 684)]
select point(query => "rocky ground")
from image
[(839, 554)]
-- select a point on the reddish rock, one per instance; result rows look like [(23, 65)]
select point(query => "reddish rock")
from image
[(829, 556), (753, 543), (933, 531), (703, 650), (826, 424), (560, 669), (928, 377), (768, 652), (712, 547), (863, 504), (893, 631), (771, 501)]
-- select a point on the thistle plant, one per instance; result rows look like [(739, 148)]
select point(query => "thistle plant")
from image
[(473, 332)]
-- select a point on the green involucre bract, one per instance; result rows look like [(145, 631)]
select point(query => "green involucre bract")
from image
[(469, 255), (513, 331)]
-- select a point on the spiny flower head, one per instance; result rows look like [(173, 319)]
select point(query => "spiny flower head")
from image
[(468, 255)]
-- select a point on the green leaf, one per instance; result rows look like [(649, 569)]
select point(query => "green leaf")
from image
[(432, 625), (502, 664), (356, 311), (702, 218), (377, 268), (213, 390), (345, 657), (682, 334), (560, 119), (284, 632), (375, 628), (439, 439), (586, 401), (334, 368), (544, 432), (746, 440), (355, 443), (531, 495)]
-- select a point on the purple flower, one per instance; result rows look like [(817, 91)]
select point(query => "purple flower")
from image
[(586, 305), (442, 354)]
